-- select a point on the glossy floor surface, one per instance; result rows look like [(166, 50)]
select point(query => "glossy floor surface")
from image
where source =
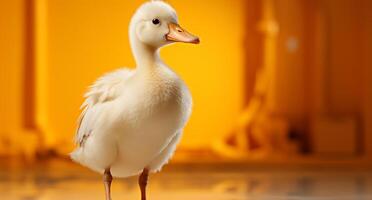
[(62, 180)]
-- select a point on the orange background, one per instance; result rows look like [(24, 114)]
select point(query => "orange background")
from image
[(52, 50)]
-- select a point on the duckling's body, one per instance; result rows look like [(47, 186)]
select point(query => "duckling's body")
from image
[(135, 122), (133, 119)]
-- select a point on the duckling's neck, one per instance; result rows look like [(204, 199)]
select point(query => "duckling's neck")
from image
[(146, 57)]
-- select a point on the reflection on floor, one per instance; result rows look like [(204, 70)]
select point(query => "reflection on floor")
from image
[(61, 180)]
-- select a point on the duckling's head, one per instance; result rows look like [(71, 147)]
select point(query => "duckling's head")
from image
[(155, 24)]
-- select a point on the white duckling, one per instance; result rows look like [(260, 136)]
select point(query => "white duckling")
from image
[(133, 119)]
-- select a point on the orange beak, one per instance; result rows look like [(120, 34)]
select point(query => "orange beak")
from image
[(178, 34)]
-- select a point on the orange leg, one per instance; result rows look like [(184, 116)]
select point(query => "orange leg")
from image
[(107, 179), (142, 181)]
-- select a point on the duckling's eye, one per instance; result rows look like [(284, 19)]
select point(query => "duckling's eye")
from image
[(156, 21)]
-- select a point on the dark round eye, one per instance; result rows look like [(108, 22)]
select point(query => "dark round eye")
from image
[(156, 21)]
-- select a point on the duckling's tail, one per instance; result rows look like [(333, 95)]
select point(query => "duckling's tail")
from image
[(76, 155)]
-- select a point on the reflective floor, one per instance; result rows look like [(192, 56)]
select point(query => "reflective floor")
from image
[(63, 180)]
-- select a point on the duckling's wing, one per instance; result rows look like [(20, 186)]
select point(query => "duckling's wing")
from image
[(105, 89)]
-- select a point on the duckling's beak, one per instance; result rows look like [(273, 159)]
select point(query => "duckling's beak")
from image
[(178, 34)]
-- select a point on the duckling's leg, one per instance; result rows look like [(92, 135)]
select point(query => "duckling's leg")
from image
[(142, 181), (107, 179)]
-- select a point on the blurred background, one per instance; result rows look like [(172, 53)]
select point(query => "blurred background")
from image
[(283, 82)]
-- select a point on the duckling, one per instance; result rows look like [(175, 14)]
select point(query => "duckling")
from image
[(132, 120)]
